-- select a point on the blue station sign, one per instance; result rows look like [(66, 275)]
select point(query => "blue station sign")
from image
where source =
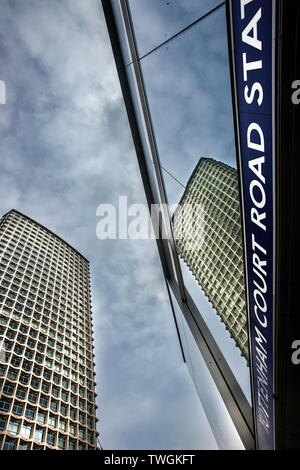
[(253, 68)]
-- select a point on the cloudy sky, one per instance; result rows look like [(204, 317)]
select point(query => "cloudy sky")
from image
[(65, 149), (187, 81)]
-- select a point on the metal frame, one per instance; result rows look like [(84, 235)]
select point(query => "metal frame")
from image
[(234, 399)]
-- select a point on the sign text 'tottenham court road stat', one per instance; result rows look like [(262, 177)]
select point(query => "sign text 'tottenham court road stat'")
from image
[(252, 26)]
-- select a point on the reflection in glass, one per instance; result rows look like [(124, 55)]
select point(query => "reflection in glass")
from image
[(218, 417), (155, 21), (222, 336), (188, 89), (208, 238), (187, 83)]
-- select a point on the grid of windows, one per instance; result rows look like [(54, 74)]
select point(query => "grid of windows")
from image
[(209, 240), (47, 383)]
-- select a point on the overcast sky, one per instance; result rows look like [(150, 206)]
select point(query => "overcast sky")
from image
[(66, 148)]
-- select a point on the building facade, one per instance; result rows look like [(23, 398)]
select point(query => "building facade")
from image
[(208, 216), (47, 388)]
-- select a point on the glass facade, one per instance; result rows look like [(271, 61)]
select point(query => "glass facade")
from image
[(47, 367), (179, 89), (208, 236), (222, 427)]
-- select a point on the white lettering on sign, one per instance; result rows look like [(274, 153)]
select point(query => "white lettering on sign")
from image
[(296, 94), (296, 354), (259, 290)]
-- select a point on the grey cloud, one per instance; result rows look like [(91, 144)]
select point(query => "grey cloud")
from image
[(65, 149)]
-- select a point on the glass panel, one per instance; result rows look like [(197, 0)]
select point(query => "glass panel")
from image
[(187, 83), (163, 19), (218, 417), (188, 89), (147, 153), (226, 343)]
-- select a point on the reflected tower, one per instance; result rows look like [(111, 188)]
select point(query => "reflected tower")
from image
[(207, 230), (47, 396)]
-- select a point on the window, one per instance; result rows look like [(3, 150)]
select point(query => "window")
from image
[(28, 354), (56, 379), (72, 444), (26, 430), (73, 400), (51, 438), (31, 343), (53, 405), (41, 417), (45, 387), (24, 379), (26, 366), (44, 401), (8, 389), (49, 352), (61, 442), (9, 444), (13, 427), (38, 358), (32, 397), (3, 420), (38, 434), (30, 412), (47, 375), (24, 445), (81, 404), (37, 370), (65, 383), (5, 405), (21, 393), (62, 425), (18, 350), (64, 396), (81, 433), (35, 383), (63, 410), (15, 361), (17, 409), (52, 421), (11, 335)]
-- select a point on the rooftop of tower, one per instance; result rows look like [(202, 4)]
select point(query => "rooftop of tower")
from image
[(15, 211)]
